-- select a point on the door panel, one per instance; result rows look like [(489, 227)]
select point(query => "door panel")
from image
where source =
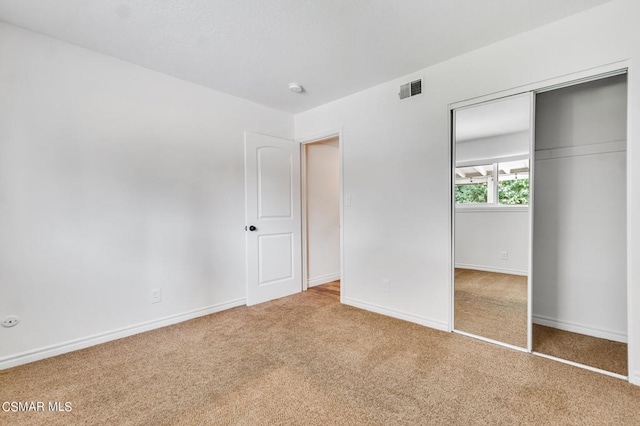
[(272, 191), (274, 183), (276, 258)]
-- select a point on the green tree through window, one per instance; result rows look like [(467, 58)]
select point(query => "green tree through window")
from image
[(471, 194), (513, 192), (510, 192)]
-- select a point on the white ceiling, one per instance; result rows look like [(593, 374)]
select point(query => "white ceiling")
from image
[(254, 48), (502, 117)]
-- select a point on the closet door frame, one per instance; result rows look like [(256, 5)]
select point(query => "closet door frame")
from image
[(591, 74)]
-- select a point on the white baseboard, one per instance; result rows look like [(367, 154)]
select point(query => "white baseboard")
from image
[(96, 339), (311, 282), (443, 326), (634, 378), (492, 269), (580, 328)]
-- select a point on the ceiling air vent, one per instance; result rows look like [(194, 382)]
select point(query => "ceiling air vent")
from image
[(410, 89)]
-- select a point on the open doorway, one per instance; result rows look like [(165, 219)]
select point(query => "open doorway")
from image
[(322, 216)]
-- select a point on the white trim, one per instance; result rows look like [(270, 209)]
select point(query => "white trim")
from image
[(319, 137), (632, 311), (616, 336), (489, 99), (633, 347), (427, 322), (341, 161), (96, 339), (451, 218), (583, 366), (494, 342), (492, 269), (303, 216), (311, 282), (532, 175), (614, 71)]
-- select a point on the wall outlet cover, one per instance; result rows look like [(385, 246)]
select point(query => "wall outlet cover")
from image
[(156, 295)]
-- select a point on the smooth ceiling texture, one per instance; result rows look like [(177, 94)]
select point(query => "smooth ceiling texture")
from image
[(254, 48), (510, 115)]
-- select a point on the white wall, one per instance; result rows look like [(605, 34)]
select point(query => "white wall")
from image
[(323, 212), (114, 180), (579, 244), (482, 235), (396, 159)]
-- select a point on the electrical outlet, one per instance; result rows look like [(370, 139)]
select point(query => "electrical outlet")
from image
[(156, 295), (504, 255), (10, 321), (386, 286)]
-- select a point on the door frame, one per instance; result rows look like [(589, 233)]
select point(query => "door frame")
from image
[(570, 79), (330, 134)]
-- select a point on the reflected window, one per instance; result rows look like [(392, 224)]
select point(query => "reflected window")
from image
[(475, 184), (513, 182)]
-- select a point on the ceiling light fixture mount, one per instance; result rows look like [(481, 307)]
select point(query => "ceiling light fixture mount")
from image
[(296, 88)]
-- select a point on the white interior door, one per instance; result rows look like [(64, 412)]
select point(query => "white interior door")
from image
[(273, 227)]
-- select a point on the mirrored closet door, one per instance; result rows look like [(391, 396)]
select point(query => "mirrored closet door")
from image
[(491, 219), (540, 234)]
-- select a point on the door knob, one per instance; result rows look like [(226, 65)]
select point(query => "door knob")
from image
[(251, 228)]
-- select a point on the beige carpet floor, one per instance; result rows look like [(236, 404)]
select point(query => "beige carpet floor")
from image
[(306, 359), (494, 305), (599, 353), (491, 305)]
